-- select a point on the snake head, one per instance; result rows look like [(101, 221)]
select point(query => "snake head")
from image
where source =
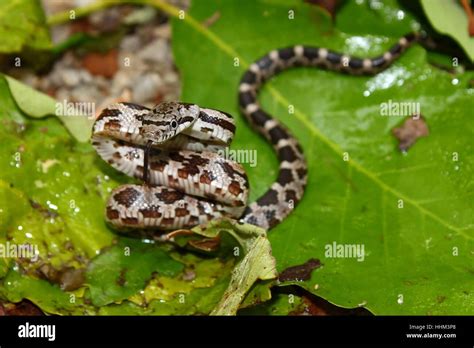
[(166, 120)]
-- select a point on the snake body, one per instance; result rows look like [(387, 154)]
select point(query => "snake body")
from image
[(189, 182)]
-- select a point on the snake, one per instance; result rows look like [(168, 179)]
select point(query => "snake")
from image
[(176, 148)]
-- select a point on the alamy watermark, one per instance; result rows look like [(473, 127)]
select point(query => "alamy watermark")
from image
[(240, 156), (28, 330), (19, 251), (394, 108), (345, 251), (67, 108)]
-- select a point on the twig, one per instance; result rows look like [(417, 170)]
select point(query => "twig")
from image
[(470, 17), (63, 17)]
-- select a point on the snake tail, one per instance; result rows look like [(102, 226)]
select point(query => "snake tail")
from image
[(283, 195)]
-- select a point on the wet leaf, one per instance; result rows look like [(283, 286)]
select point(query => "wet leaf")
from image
[(50, 298), (411, 212), (125, 269), (199, 301)]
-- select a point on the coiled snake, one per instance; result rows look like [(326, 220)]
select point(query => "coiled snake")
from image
[(175, 146)]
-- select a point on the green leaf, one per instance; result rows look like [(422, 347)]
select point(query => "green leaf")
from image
[(32, 102), (48, 297), (51, 179), (198, 301), (125, 269), (22, 23), (448, 17), (37, 104), (256, 264), (418, 259)]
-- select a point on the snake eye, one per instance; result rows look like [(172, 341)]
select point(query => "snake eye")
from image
[(174, 124)]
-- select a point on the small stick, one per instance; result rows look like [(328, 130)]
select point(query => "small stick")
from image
[(470, 17)]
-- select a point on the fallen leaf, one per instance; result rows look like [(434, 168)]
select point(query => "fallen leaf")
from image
[(299, 272), (410, 131)]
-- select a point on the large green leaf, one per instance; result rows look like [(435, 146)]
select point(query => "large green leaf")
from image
[(418, 258), (22, 23)]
